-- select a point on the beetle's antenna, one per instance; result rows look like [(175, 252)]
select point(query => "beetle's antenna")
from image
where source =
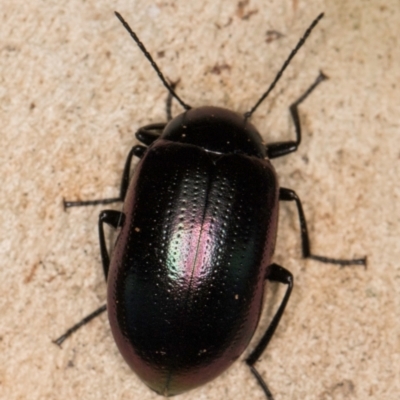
[(248, 114), (152, 62)]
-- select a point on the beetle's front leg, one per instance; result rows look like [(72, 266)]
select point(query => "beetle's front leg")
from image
[(290, 195), (280, 149)]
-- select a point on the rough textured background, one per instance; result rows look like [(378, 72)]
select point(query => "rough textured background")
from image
[(74, 89)]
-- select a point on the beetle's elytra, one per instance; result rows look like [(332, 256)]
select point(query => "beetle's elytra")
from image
[(197, 236)]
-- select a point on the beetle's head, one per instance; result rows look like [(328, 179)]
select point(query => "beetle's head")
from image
[(216, 129)]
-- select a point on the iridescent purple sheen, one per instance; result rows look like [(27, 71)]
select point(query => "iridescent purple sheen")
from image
[(187, 274)]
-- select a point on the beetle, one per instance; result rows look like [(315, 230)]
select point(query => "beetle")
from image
[(197, 235)]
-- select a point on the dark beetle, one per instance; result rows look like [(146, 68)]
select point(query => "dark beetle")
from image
[(198, 231)]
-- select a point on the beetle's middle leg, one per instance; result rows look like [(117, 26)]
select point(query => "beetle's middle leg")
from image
[(290, 195), (280, 149), (278, 274), (123, 188), (147, 135)]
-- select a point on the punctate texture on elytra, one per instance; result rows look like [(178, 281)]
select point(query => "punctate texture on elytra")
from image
[(186, 279)]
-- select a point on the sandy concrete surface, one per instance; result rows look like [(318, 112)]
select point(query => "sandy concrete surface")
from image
[(74, 89)]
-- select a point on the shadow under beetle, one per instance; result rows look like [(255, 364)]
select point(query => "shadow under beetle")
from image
[(197, 234)]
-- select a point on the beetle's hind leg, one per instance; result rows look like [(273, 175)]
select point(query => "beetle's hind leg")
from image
[(278, 274), (59, 341), (280, 149), (116, 220), (290, 195)]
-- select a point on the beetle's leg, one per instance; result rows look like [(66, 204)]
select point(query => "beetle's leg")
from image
[(115, 219), (280, 149), (278, 274), (290, 195), (168, 105), (135, 151), (59, 341), (149, 133)]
